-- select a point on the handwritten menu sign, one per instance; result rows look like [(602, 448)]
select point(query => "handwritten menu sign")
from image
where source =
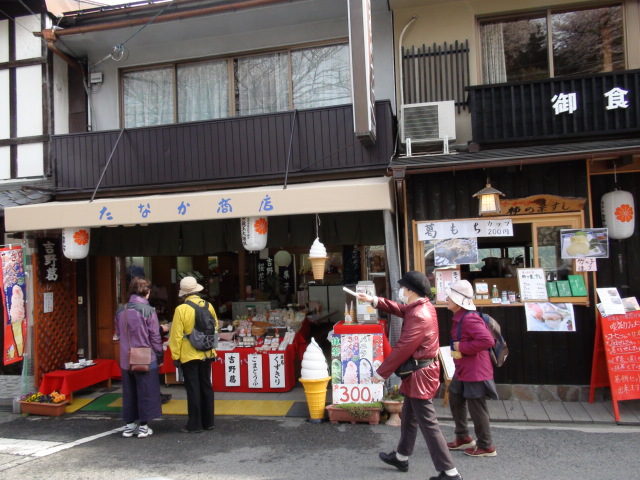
[(445, 278), (532, 284), (619, 333), (442, 230), (586, 264)]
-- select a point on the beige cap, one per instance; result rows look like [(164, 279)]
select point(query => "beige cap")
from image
[(189, 285)]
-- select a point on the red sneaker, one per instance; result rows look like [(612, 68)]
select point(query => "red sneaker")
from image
[(461, 443), (481, 452)]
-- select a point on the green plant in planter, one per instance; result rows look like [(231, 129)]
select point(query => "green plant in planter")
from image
[(393, 395), (360, 410)]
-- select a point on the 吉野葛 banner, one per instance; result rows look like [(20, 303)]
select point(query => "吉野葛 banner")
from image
[(13, 299)]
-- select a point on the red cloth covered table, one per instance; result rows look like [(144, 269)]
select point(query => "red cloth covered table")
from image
[(341, 328), (288, 379), (67, 381)]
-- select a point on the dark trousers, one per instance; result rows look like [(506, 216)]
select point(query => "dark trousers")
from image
[(477, 408), (416, 413), (197, 382), (141, 395)]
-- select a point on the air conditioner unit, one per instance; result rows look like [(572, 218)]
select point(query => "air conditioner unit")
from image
[(429, 122)]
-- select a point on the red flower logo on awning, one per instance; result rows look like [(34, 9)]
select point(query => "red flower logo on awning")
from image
[(624, 213), (261, 226), (81, 237)]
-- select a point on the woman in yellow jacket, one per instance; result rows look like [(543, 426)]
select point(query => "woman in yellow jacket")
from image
[(195, 364)]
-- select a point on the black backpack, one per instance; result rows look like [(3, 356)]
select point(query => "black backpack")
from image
[(203, 336), (499, 351)]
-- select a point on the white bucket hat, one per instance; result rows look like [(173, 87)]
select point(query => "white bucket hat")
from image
[(189, 285), (462, 294)]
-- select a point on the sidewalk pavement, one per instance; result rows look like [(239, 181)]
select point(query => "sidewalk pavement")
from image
[(500, 410)]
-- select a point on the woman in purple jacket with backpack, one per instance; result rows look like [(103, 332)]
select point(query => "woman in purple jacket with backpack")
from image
[(473, 378)]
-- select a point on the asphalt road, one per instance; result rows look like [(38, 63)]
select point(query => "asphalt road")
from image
[(92, 447)]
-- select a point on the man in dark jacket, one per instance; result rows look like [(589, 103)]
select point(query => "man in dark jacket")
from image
[(419, 339)]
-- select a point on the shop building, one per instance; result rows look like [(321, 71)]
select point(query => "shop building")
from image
[(185, 117), (538, 100)]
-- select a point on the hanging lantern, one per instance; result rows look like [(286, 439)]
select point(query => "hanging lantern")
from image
[(618, 214), (75, 242), (282, 259), (254, 233), (489, 199)]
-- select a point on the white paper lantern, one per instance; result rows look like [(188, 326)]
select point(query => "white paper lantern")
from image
[(75, 242), (254, 233), (618, 214), (282, 259)]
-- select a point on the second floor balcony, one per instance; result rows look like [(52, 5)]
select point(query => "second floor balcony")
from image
[(558, 109), (265, 149)]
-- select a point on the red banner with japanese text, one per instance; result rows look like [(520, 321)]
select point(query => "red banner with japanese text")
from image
[(14, 303)]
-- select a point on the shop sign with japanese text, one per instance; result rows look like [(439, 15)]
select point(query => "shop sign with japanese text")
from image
[(49, 257), (444, 229), (538, 204)]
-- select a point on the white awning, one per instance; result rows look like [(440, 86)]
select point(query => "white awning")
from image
[(356, 195)]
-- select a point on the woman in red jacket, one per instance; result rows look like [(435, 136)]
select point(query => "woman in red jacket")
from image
[(473, 379), (419, 340)]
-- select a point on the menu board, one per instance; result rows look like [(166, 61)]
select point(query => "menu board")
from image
[(618, 336), (532, 284)]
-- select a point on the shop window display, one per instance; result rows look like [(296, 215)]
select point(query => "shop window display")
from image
[(535, 243)]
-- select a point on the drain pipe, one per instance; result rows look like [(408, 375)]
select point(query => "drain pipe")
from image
[(413, 19)]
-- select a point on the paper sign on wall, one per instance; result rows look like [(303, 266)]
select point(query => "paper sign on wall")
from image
[(586, 264), (532, 284), (445, 278)]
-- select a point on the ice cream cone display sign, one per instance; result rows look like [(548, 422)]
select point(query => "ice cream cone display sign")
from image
[(318, 259), (315, 378), (316, 393), (14, 311)]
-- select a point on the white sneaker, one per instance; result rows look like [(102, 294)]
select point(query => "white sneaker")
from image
[(130, 430), (144, 431)]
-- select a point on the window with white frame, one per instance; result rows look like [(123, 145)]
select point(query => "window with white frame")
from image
[(552, 43), (249, 85)]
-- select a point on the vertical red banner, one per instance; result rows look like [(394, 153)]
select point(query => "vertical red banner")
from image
[(14, 302)]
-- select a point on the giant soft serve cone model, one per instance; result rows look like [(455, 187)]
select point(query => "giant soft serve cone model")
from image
[(315, 378)]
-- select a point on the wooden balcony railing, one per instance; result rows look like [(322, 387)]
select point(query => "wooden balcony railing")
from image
[(558, 108), (229, 151)]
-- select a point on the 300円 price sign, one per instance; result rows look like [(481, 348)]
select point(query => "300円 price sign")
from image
[(357, 393)]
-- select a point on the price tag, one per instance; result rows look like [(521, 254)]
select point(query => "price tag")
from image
[(586, 264), (348, 393)]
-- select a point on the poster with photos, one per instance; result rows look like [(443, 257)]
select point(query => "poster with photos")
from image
[(354, 360), (610, 301), (549, 317)]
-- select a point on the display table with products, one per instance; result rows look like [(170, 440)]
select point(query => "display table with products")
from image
[(68, 381), (249, 370), (246, 369)]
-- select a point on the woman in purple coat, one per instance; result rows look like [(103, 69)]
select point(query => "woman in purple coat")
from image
[(419, 340), (137, 326), (473, 379)]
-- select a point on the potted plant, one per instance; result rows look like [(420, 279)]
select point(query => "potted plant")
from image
[(355, 412), (392, 402), (52, 405)]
